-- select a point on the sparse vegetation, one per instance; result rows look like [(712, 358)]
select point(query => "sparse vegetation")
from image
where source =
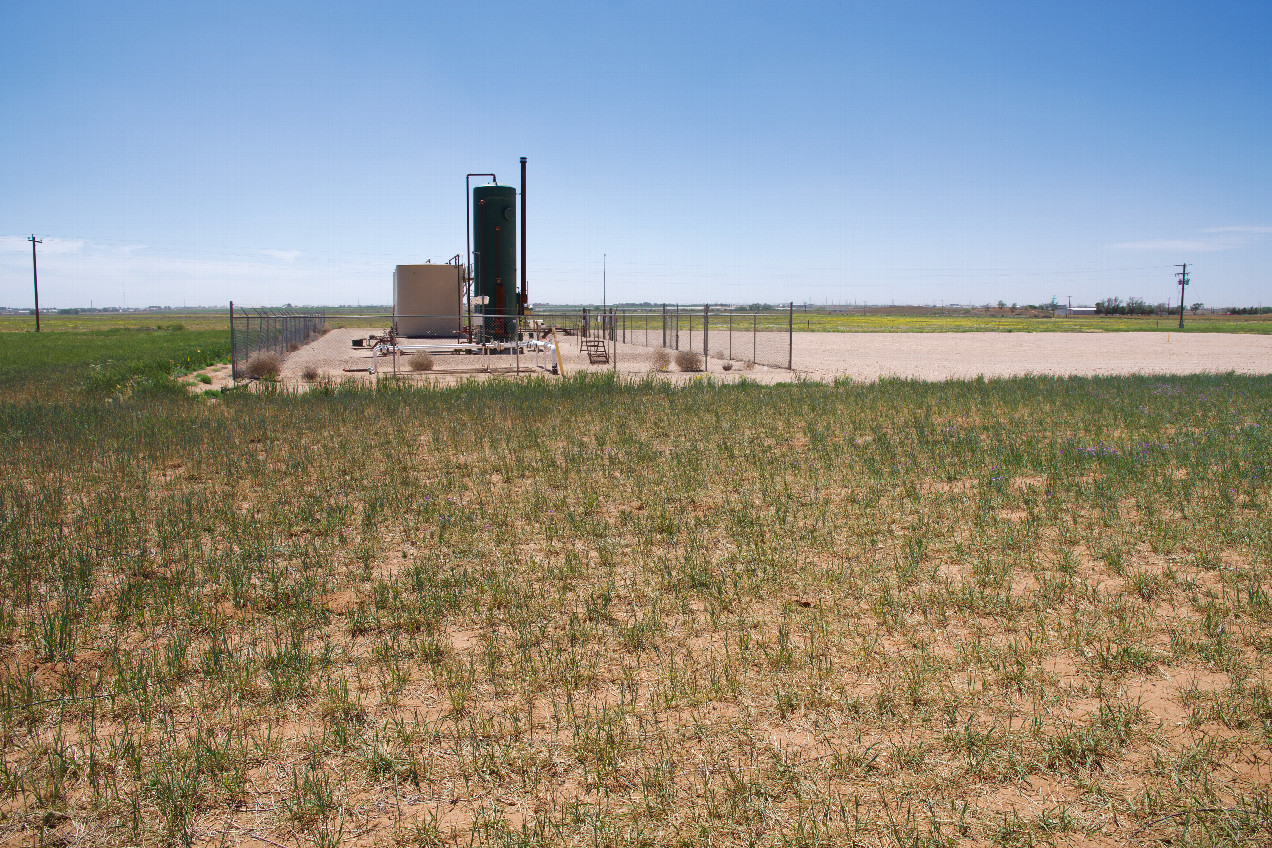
[(265, 365), (688, 360), (660, 359), (309, 373), (421, 361), (1016, 612)]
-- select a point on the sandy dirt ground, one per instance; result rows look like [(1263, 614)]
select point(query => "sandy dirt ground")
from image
[(952, 356), (221, 377), (827, 356)]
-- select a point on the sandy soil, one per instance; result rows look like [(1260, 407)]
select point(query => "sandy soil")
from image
[(949, 356), (826, 356)]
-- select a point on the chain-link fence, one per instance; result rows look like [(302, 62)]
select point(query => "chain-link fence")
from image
[(760, 336), (279, 331)]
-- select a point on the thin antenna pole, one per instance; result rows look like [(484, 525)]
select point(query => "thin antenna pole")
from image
[(524, 297), (35, 276), (604, 280)]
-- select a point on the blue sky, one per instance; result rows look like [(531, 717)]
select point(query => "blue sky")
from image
[(934, 152)]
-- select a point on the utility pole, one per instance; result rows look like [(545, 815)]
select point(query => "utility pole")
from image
[(604, 280), (35, 275), (1183, 282)]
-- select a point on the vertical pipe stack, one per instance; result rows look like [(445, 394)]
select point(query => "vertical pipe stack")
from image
[(524, 300)]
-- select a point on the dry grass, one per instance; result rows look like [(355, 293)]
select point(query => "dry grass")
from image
[(688, 360), (309, 374), (660, 359), (421, 361), (264, 366)]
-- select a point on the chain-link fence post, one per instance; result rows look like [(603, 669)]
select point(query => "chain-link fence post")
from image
[(233, 349), (790, 338), (706, 336)]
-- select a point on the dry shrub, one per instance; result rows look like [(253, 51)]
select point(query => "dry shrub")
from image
[(727, 366), (660, 359), (309, 374), (265, 366), (687, 360), (421, 361), (293, 347)]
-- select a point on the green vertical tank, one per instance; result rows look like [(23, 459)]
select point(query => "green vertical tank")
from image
[(495, 258)]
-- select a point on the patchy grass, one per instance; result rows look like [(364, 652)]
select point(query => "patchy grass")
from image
[(581, 612)]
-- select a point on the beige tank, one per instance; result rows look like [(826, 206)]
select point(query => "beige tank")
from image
[(426, 300)]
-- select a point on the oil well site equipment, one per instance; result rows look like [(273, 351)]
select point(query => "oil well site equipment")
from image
[(474, 307)]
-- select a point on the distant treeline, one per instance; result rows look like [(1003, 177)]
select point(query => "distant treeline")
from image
[(1132, 306), (1250, 310)]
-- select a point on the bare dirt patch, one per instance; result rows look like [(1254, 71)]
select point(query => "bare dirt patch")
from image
[(220, 377)]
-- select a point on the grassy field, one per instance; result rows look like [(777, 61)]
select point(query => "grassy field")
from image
[(931, 321), (202, 319), (78, 365), (1010, 613), (925, 321), (813, 321)]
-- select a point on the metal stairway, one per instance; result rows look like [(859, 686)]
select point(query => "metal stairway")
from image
[(597, 352)]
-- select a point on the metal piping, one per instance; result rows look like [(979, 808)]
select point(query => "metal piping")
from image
[(521, 304)]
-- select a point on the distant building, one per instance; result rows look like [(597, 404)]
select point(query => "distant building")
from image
[(1075, 310)]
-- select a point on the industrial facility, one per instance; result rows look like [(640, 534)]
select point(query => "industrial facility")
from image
[(476, 306)]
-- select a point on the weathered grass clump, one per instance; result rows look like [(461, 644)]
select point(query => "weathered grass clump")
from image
[(660, 359), (309, 374), (421, 361), (293, 347), (264, 366), (687, 360)]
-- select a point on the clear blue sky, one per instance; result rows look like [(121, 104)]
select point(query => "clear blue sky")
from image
[(265, 152)]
